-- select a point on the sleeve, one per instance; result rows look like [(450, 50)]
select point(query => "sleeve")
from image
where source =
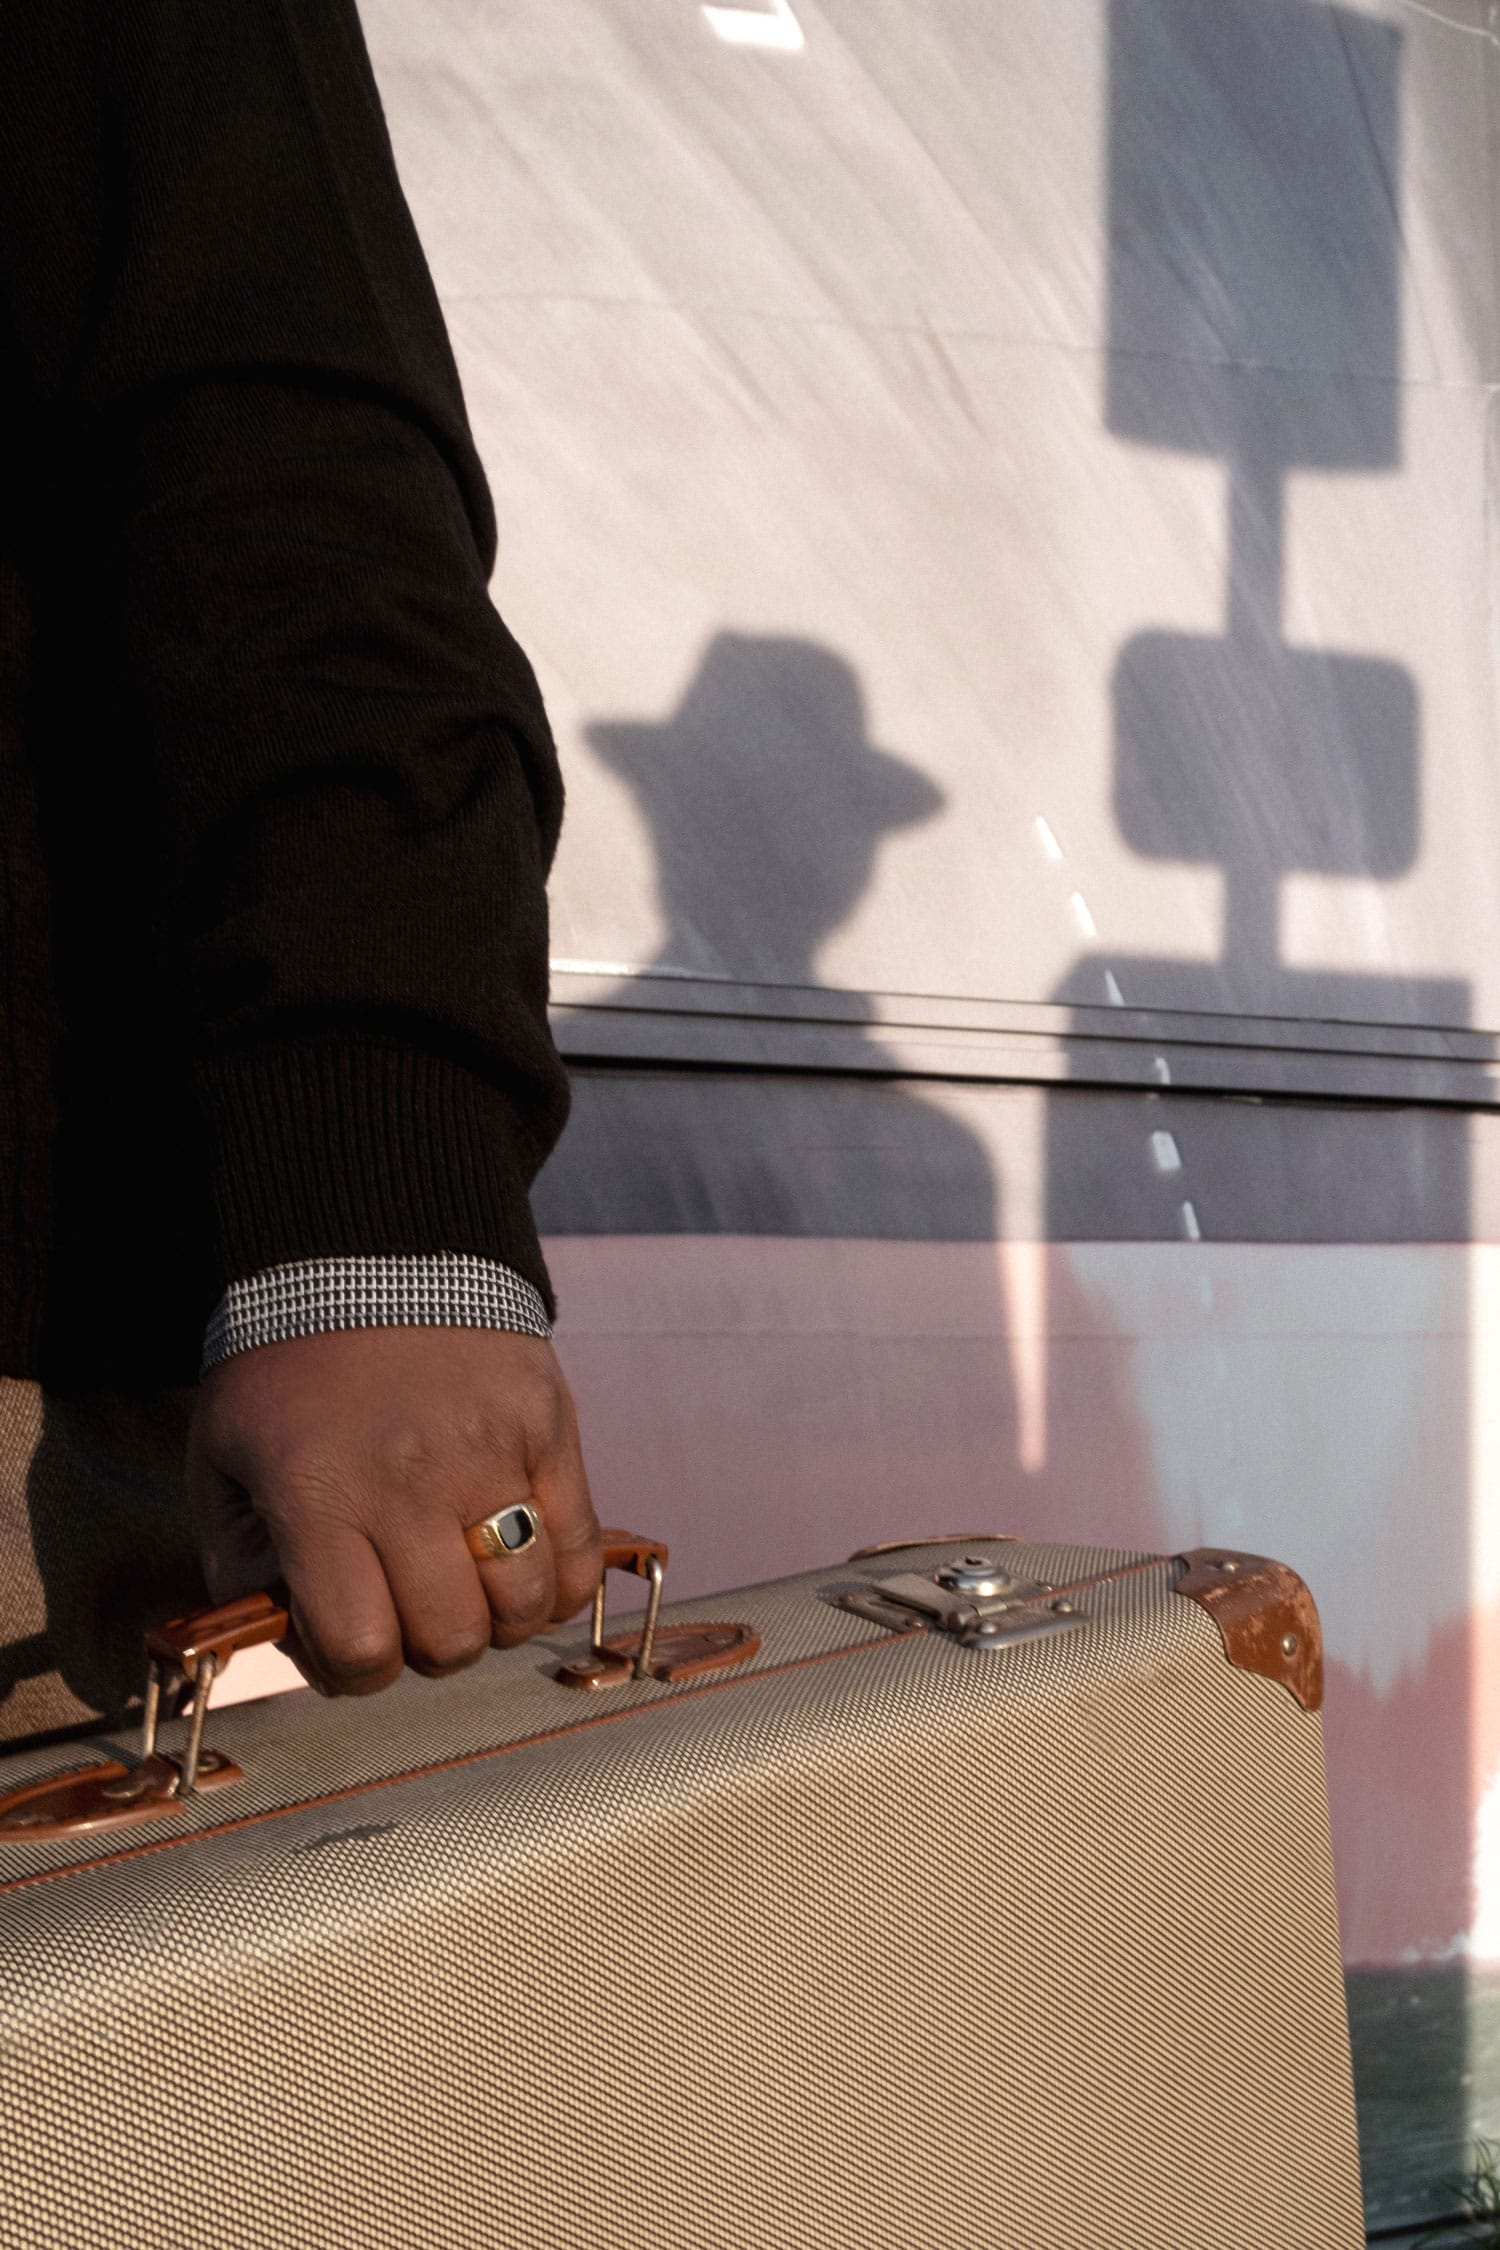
[(222, 320), (318, 1295)]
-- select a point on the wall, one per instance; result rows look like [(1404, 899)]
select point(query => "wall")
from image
[(999, 500)]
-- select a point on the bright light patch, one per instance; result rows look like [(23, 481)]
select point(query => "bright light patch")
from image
[(1165, 1154), (771, 26)]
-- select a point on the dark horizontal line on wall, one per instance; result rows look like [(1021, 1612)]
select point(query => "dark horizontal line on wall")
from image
[(675, 1021)]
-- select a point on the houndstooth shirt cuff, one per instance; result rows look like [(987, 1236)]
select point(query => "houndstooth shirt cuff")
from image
[(317, 1295)]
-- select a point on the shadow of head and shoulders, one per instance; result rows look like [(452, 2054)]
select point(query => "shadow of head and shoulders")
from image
[(768, 805)]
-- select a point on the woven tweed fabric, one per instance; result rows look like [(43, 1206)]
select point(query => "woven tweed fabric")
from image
[(913, 1948), (317, 1295)]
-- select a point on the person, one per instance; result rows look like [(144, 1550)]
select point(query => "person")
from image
[(277, 803)]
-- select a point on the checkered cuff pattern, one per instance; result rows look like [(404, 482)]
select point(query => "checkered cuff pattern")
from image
[(317, 1295)]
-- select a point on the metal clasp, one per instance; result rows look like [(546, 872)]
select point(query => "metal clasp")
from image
[(610, 1667), (974, 1600), (112, 1794), (158, 1675), (197, 1649)]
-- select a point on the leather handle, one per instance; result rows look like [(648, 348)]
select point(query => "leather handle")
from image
[(247, 1623), (182, 1643), (254, 1619), (626, 1550), (603, 1667), (86, 1799)]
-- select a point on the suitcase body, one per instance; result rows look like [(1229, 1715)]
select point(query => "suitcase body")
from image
[(1006, 1920)]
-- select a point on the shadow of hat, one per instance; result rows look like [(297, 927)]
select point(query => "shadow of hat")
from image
[(765, 799), (776, 727)]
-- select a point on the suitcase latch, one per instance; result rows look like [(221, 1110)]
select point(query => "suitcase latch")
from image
[(975, 1600), (666, 1653), (85, 1799)]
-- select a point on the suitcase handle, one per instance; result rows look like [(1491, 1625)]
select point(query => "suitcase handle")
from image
[(666, 1653), (607, 1667), (626, 1550), (87, 1799), (198, 1647)]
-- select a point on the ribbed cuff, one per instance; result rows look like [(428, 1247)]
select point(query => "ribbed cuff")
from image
[(321, 1295), (362, 1149)]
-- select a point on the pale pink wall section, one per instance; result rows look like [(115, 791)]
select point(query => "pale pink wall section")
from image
[(769, 1405)]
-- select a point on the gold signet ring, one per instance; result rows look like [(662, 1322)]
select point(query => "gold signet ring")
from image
[(509, 1531)]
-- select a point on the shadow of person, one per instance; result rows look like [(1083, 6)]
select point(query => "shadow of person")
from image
[(768, 806)]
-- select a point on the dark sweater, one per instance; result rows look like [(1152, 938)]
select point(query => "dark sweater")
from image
[(277, 791)]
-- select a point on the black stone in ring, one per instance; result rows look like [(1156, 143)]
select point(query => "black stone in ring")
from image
[(509, 1531)]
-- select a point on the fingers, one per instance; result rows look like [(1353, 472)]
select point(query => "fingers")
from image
[(347, 1632), (560, 1489), (350, 1465), (520, 1588), (554, 1578), (345, 1636), (236, 1547), (439, 1601)]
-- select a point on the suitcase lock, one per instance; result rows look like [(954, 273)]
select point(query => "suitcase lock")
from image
[(975, 1600)]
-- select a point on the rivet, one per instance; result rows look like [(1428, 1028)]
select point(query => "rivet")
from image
[(1289, 1644), (1062, 1609), (1227, 1562)]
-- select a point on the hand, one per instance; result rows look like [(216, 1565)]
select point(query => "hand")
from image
[(349, 1464)]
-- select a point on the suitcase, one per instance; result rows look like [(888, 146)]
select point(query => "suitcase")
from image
[(971, 1893)]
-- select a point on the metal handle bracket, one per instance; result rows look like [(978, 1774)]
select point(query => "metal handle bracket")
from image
[(116, 1795), (604, 1666)]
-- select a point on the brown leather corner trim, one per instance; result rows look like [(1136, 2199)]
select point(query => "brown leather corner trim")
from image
[(1266, 1617)]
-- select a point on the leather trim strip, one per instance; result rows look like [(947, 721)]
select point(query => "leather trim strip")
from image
[(503, 1749)]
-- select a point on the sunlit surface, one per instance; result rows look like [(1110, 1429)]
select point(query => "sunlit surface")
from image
[(999, 506), (772, 25)]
